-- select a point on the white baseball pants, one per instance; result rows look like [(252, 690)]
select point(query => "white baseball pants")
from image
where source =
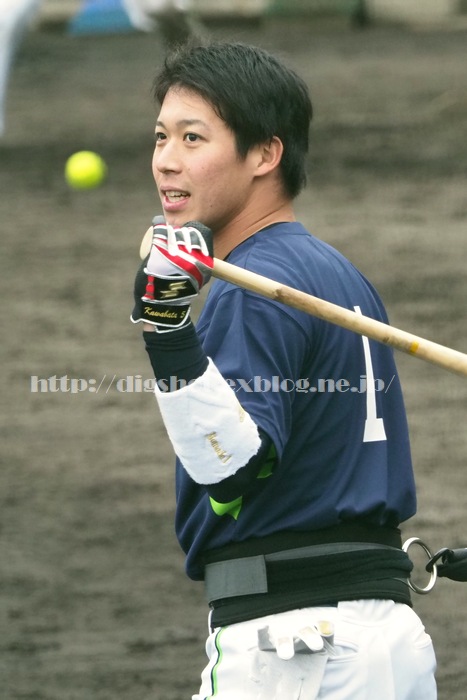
[(381, 652)]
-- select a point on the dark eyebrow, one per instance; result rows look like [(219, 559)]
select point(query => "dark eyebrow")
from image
[(186, 122)]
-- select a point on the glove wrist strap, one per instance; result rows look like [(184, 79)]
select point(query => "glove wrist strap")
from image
[(165, 317), (163, 288)]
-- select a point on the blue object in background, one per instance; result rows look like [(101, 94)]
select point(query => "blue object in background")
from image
[(101, 17)]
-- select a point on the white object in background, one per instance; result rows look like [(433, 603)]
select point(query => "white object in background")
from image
[(16, 16)]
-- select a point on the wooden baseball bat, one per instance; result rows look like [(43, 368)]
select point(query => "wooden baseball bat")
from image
[(434, 353), (440, 355)]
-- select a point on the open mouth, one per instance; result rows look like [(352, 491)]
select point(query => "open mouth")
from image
[(174, 196)]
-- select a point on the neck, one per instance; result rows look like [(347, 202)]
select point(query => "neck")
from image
[(249, 222)]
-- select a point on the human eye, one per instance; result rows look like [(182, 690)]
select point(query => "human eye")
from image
[(159, 137), (191, 137)]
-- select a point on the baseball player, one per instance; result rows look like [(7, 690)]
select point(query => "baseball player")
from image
[(293, 468)]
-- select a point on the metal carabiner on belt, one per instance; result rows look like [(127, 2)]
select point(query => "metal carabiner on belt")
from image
[(434, 572)]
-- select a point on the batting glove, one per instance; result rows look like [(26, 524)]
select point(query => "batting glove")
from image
[(177, 268), (287, 638)]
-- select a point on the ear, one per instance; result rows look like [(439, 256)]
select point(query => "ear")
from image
[(269, 156)]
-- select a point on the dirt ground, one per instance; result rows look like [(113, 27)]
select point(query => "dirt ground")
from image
[(94, 602)]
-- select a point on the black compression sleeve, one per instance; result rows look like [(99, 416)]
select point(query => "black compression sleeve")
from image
[(176, 357)]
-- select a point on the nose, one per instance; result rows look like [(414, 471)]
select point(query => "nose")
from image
[(166, 158)]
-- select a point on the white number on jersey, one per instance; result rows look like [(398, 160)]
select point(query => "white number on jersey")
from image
[(374, 426)]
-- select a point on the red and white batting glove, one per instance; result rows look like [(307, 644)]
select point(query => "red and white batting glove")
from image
[(178, 266)]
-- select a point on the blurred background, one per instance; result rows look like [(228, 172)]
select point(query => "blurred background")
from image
[(94, 602)]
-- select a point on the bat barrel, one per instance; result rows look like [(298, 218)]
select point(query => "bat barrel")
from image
[(436, 354)]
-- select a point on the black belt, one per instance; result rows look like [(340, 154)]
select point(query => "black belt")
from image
[(249, 575), (244, 587)]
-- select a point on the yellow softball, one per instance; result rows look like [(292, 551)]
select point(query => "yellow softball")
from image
[(85, 170)]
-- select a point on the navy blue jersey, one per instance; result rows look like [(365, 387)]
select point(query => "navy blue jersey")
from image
[(329, 400)]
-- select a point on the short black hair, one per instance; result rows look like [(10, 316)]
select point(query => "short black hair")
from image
[(256, 95)]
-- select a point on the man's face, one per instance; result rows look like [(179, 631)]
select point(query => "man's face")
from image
[(196, 167)]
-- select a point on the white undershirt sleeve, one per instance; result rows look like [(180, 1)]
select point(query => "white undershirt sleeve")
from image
[(212, 435)]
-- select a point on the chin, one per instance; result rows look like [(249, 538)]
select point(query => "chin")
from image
[(177, 220)]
